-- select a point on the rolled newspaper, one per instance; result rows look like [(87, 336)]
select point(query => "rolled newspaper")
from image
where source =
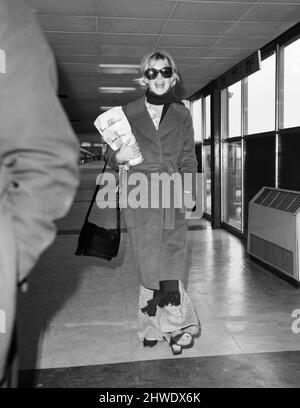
[(116, 131)]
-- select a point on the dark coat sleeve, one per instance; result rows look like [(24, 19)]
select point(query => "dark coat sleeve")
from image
[(111, 155), (38, 149)]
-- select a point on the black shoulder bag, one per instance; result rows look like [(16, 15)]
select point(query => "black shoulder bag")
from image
[(98, 241)]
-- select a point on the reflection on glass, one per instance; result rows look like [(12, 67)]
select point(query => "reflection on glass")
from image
[(207, 178), (197, 119), (234, 110), (291, 86), (207, 117), (232, 184), (261, 98)]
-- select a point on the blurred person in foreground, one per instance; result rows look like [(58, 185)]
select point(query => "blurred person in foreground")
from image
[(38, 163)]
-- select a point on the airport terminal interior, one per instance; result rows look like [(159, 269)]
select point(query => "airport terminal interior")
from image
[(239, 62)]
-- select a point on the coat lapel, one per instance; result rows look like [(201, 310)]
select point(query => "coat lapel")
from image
[(139, 117), (174, 117)]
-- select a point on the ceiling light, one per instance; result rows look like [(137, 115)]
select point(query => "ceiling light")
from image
[(119, 68), (116, 89)]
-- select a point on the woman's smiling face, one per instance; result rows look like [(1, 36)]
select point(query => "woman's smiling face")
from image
[(159, 85)]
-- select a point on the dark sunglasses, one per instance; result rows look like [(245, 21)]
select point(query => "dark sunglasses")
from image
[(152, 73)]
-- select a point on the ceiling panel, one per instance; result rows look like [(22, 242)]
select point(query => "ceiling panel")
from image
[(242, 42), (78, 39), (190, 78), (65, 7), (197, 70), (78, 59), (128, 39), (81, 79), (182, 71), (72, 68), (191, 87), (186, 52), (135, 8), (188, 27), (216, 11), (60, 49), (118, 79), (193, 82), (274, 12), (183, 62), (216, 65), (258, 30), (87, 84), (78, 86), (124, 51), (186, 41), (194, 73), (116, 60), (231, 52), (124, 25), (67, 23)]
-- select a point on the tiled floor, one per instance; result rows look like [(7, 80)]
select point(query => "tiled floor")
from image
[(77, 323)]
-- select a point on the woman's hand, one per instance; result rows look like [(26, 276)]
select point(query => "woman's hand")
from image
[(127, 152)]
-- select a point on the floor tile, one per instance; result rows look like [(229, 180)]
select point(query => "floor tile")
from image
[(281, 369)]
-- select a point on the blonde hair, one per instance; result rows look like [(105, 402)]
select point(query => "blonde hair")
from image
[(146, 64)]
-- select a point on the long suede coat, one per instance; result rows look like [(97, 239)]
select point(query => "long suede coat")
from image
[(158, 235)]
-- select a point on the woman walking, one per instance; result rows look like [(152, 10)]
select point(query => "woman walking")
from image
[(163, 129)]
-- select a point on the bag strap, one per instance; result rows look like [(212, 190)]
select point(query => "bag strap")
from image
[(95, 195)]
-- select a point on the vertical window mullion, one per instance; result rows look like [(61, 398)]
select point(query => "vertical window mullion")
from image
[(278, 110), (242, 181), (279, 88), (203, 148), (244, 110), (244, 131), (224, 135)]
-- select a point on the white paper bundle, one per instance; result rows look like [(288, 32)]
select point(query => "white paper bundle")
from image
[(115, 130)]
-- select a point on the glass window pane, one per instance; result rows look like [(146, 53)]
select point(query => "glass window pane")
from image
[(207, 178), (291, 87), (232, 184), (234, 110), (197, 119), (261, 98), (207, 117)]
